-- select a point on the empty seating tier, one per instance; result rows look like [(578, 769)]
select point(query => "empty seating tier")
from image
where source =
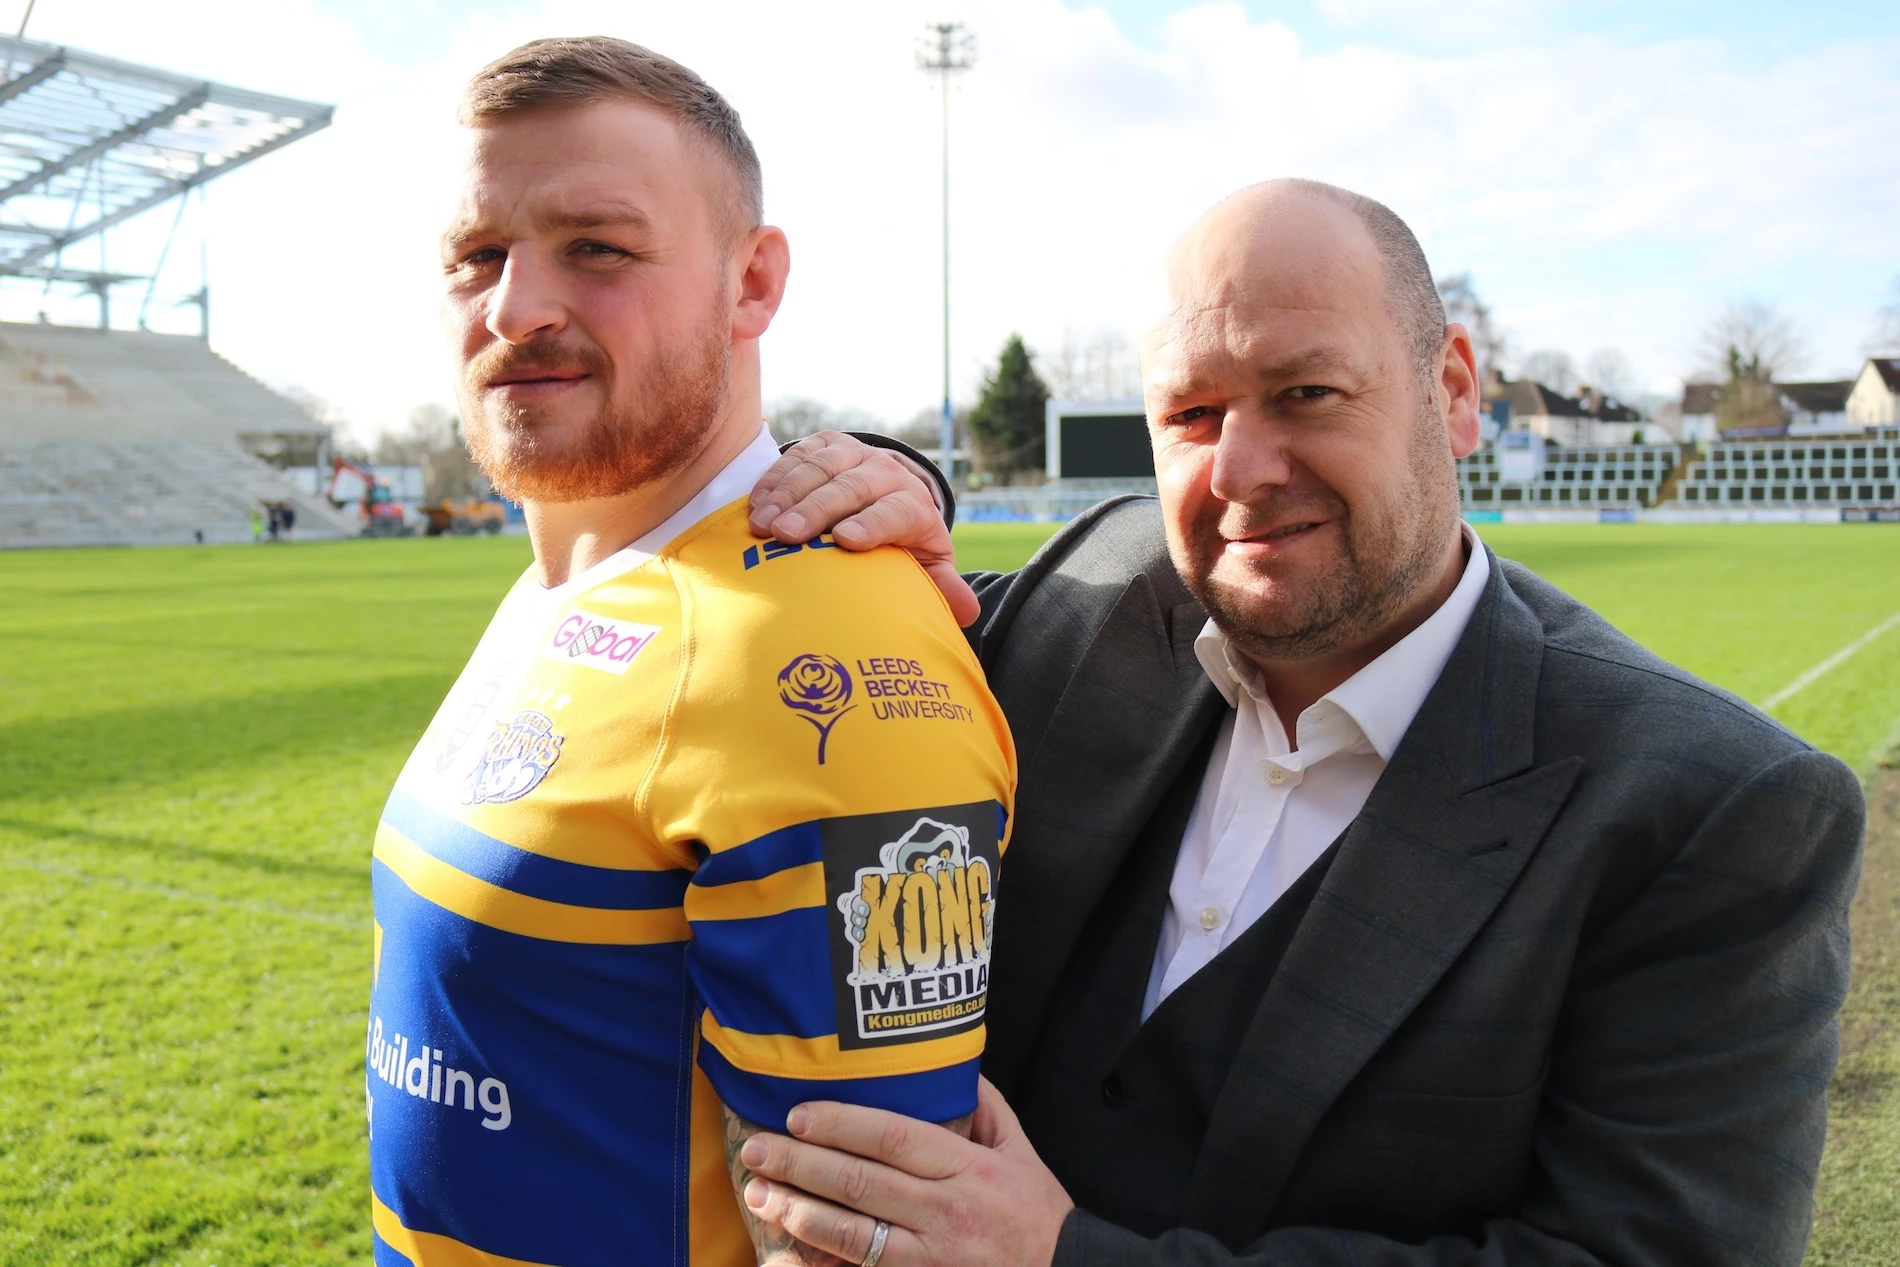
[(111, 437), (1613, 475), (1832, 471)]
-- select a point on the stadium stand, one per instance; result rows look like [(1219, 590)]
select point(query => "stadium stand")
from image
[(1793, 472), (1623, 475), (133, 438)]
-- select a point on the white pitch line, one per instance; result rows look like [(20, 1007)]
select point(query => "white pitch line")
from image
[(1828, 665)]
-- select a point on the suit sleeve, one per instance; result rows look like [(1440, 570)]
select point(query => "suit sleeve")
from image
[(1685, 1106)]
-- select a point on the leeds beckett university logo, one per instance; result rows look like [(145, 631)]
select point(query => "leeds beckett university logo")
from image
[(519, 755), (817, 688), (919, 923), (598, 642)]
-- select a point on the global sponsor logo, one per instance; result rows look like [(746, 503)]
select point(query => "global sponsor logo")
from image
[(519, 754), (919, 922), (817, 688), (597, 642), (428, 1075)]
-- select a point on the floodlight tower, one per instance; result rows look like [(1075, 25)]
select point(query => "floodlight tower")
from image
[(947, 49)]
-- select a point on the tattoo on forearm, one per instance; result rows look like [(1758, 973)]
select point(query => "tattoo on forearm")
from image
[(771, 1244)]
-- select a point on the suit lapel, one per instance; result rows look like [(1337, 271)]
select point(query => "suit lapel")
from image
[(1451, 823), (1127, 720)]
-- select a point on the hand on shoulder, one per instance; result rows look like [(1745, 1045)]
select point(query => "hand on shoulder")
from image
[(865, 497)]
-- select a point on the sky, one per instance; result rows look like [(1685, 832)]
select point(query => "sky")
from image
[(1611, 174)]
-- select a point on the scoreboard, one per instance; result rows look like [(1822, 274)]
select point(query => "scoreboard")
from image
[(1097, 440)]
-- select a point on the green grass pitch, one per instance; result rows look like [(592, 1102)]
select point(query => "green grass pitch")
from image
[(194, 745)]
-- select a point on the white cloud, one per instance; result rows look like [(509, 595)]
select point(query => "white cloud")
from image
[(1602, 195)]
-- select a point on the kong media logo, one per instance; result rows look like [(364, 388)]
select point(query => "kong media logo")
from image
[(818, 689), (519, 755), (597, 642), (917, 923)]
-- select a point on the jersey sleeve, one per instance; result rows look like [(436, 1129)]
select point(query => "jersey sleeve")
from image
[(837, 765)]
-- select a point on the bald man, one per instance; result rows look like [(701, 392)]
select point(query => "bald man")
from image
[(1371, 901)]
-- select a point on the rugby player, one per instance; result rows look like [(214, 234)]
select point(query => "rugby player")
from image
[(708, 826)]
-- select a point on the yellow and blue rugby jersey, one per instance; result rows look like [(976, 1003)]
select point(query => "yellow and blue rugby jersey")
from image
[(718, 819)]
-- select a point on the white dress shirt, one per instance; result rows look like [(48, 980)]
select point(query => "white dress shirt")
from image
[(1268, 808)]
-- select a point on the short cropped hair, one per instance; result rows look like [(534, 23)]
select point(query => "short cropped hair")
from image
[(585, 70), (1410, 291)]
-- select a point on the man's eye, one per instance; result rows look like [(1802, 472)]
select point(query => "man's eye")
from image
[(597, 250), (1311, 393), (1196, 414), (477, 259)]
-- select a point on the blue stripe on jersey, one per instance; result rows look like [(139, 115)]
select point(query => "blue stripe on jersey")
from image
[(769, 854), (788, 955), (532, 874), (593, 1047), (937, 1095)]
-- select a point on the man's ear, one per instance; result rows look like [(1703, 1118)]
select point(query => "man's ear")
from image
[(764, 261), (1459, 390)]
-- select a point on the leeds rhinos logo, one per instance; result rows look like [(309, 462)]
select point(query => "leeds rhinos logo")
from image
[(818, 689), (519, 755), (919, 923)]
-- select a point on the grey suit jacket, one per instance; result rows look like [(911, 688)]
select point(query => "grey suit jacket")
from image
[(1567, 994)]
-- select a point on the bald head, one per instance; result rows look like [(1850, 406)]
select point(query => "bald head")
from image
[(1308, 228), (1307, 402)]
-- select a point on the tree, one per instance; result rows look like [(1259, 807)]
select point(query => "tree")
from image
[(432, 439), (1747, 399), (795, 417), (1006, 425), (1098, 364), (1462, 305), (1552, 368), (1752, 333), (344, 441), (1611, 373), (1749, 344)]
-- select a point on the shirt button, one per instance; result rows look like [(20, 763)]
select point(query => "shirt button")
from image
[(1113, 1091), (1275, 775), (1210, 919)]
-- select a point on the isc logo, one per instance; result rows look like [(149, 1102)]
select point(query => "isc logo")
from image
[(597, 642)]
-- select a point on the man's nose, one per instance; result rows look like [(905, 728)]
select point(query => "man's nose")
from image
[(1250, 457), (526, 302)]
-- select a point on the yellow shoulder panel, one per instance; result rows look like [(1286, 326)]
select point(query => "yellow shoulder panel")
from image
[(817, 683)]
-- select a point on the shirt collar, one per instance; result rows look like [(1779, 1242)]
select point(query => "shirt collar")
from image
[(1384, 697)]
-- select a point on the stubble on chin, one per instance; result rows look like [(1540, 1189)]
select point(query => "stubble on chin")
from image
[(529, 456), (1287, 612)]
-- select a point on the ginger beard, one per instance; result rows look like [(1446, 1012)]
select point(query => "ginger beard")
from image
[(1379, 563), (639, 435)]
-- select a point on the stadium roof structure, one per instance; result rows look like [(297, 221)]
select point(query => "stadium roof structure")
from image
[(87, 142)]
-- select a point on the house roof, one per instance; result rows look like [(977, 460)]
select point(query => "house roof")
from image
[(1606, 408), (1888, 367), (1699, 398), (1529, 398), (1817, 398)]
